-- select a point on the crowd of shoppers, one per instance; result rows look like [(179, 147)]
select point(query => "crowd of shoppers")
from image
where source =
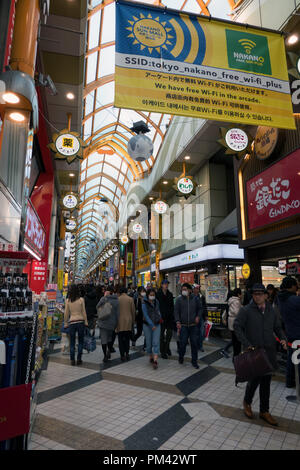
[(259, 317)]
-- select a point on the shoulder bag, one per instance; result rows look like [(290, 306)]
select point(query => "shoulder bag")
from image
[(250, 364)]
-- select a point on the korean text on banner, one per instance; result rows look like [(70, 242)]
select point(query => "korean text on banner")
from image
[(175, 63)]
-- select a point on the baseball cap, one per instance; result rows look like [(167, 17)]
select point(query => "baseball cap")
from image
[(258, 288)]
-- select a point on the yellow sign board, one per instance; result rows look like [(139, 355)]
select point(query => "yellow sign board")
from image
[(60, 277), (246, 271), (175, 63)]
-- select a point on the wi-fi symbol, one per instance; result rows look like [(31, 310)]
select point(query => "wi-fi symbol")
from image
[(247, 44)]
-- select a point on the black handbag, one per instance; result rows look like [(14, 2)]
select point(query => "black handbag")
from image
[(250, 364)]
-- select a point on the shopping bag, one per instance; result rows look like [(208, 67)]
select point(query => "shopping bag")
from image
[(14, 411), (89, 341), (207, 328), (251, 363)]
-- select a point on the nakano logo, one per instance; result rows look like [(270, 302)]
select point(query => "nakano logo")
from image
[(248, 45)]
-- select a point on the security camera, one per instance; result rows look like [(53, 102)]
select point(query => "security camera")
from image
[(46, 81)]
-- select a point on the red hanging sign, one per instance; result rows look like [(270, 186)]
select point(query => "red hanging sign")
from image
[(274, 194), (14, 411), (38, 276)]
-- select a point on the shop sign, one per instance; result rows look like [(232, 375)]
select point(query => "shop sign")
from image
[(282, 266), (67, 145), (70, 201), (71, 225), (115, 249), (274, 194), (295, 93), (292, 269), (124, 239), (236, 139), (137, 228), (266, 139), (186, 277), (35, 234), (110, 252), (143, 263), (246, 271), (160, 207), (38, 276), (10, 32), (185, 185), (175, 67)]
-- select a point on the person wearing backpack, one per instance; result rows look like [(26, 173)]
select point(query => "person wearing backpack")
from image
[(152, 320), (108, 316), (75, 317)]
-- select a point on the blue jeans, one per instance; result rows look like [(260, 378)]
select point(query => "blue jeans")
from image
[(187, 332), (201, 333), (152, 339), (79, 328)]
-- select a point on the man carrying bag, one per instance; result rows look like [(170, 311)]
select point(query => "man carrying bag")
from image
[(254, 327)]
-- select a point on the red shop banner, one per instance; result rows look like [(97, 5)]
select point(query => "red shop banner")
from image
[(38, 276), (35, 234), (187, 277), (274, 194), (14, 411)]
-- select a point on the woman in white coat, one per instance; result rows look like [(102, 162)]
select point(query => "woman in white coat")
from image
[(234, 305)]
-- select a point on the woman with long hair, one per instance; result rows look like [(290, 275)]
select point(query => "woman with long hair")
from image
[(76, 319)]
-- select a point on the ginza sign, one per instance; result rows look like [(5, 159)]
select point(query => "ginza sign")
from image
[(274, 194), (34, 231)]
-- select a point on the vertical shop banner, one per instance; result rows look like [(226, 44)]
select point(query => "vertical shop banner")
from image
[(38, 276), (175, 63), (35, 234), (274, 194), (129, 264)]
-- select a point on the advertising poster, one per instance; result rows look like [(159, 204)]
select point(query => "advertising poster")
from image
[(217, 289), (175, 63)]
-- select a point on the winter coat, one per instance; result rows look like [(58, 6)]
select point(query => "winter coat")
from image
[(91, 301), (289, 306), (256, 329), (151, 312), (187, 309), (166, 305), (111, 322), (75, 312), (234, 305), (127, 313)]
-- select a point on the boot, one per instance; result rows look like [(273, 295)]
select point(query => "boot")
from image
[(268, 418), (248, 410)]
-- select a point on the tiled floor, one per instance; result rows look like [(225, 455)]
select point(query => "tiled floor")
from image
[(176, 407)]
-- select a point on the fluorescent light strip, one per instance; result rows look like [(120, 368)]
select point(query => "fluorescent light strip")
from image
[(31, 252)]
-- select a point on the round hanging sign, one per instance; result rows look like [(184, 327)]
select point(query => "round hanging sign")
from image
[(236, 139), (137, 228), (70, 201), (246, 271), (160, 207), (185, 185), (124, 239), (265, 141), (115, 248), (71, 225), (67, 145)]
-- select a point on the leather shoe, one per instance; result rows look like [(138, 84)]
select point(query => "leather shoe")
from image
[(248, 410), (164, 356), (180, 360), (268, 418)]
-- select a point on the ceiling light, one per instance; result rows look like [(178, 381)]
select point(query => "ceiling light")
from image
[(151, 198), (11, 98), (18, 117), (292, 39), (72, 174), (165, 182), (187, 157), (70, 96)]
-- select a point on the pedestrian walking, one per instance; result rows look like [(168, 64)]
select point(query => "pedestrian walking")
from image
[(166, 305), (108, 316), (289, 306), (91, 302), (151, 327), (234, 306), (254, 327), (139, 314), (188, 311), (125, 323), (203, 318), (75, 317)]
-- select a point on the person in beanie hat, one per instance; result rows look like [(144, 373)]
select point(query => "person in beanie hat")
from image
[(254, 327), (166, 304)]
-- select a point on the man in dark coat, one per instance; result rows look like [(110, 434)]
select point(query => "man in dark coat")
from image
[(166, 305), (289, 306), (91, 300), (254, 327)]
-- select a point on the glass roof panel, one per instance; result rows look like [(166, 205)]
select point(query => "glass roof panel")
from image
[(103, 120)]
